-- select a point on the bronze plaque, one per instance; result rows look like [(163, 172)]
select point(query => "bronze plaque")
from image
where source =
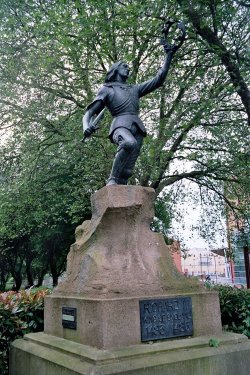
[(166, 318)]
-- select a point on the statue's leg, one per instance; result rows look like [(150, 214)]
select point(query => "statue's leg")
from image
[(129, 166), (127, 144)]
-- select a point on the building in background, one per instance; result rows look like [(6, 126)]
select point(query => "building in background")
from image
[(239, 247), (198, 262)]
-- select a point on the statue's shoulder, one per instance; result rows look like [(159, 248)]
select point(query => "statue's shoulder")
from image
[(102, 93)]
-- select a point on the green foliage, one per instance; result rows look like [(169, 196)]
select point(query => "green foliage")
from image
[(20, 313), (214, 343), (162, 220), (235, 308)]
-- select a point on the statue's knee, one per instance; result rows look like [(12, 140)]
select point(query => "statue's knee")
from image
[(130, 145)]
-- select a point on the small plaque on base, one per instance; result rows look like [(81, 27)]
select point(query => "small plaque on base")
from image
[(166, 318), (69, 317)]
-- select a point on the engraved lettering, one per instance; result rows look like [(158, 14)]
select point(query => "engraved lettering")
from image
[(166, 318), (162, 318), (155, 318), (146, 307), (162, 330), (176, 306), (154, 307)]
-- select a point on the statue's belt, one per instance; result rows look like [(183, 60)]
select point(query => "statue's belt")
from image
[(125, 114)]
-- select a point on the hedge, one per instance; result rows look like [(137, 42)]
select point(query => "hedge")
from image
[(235, 308), (20, 313)]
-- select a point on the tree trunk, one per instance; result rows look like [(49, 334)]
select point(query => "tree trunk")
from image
[(41, 276), (3, 280), (17, 275), (29, 272), (54, 272)]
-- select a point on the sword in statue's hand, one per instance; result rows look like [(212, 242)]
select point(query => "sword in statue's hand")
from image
[(92, 128)]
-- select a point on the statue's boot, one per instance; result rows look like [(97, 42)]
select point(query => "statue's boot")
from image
[(116, 176)]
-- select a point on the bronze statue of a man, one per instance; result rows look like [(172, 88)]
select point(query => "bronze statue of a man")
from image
[(122, 100)]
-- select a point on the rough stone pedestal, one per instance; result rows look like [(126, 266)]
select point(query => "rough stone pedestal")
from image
[(115, 262), (116, 254)]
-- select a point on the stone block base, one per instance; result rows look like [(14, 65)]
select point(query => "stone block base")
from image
[(42, 354), (115, 322)]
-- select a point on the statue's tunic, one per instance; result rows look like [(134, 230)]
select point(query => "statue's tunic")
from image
[(122, 100)]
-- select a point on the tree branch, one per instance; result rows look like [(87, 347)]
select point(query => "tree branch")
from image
[(221, 51), (172, 179)]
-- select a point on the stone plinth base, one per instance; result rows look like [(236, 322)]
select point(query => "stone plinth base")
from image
[(40, 354), (115, 262), (115, 322)]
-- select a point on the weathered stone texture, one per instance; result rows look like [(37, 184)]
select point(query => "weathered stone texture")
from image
[(41, 354), (116, 253)]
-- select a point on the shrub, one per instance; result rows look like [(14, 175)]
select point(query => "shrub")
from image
[(235, 308), (20, 313)]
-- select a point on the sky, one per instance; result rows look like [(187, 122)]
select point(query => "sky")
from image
[(190, 236), (190, 218), (195, 210)]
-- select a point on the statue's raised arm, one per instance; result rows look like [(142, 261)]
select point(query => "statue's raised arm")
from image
[(153, 84), (122, 100)]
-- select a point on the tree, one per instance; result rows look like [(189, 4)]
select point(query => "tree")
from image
[(221, 25), (53, 57)]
